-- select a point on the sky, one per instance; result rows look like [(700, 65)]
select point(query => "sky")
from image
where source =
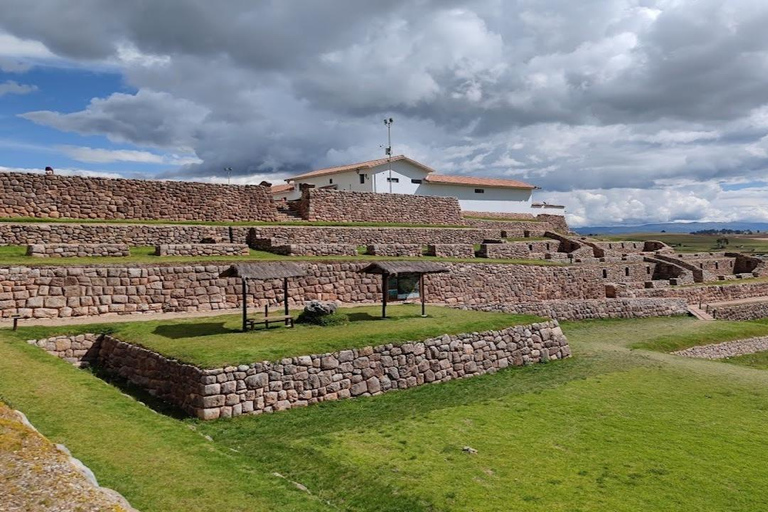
[(625, 111)]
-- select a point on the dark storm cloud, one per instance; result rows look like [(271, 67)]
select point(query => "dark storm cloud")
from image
[(590, 95)]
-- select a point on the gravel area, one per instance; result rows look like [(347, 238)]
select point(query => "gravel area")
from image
[(36, 475), (727, 349)]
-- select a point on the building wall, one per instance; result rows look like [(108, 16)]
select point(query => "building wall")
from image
[(41, 196), (495, 200)]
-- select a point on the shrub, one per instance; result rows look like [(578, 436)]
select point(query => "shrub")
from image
[(307, 317)]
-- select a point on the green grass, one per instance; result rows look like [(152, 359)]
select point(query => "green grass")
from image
[(609, 429), (217, 341), (702, 333), (683, 242), (758, 360), (16, 255)]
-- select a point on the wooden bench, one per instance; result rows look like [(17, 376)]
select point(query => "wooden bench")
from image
[(251, 323)]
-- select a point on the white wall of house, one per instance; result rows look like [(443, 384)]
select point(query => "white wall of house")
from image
[(409, 179), (492, 199)]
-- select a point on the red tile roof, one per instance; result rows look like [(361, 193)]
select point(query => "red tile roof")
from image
[(443, 179), (358, 166), (283, 187)]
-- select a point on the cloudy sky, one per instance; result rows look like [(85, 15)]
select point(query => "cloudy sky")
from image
[(626, 111)]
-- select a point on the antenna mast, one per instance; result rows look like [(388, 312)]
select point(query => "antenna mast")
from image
[(388, 150)]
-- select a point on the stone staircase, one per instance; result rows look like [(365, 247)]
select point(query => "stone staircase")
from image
[(286, 214)]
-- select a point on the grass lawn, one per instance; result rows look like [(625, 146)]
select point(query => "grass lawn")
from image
[(684, 242), (702, 333), (610, 429), (217, 341), (17, 255)]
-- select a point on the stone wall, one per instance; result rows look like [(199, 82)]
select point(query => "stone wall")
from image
[(742, 311), (498, 215), (75, 197), (305, 380), (726, 349), (76, 349), (451, 250), (134, 235), (156, 234), (43, 292), (703, 294), (592, 309), (394, 250), (345, 206), (202, 250), (77, 250), (511, 229), (315, 250), (357, 236), (518, 249)]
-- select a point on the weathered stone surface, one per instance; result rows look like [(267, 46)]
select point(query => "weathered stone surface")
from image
[(309, 379), (216, 249), (76, 197), (590, 309), (727, 349), (83, 250)]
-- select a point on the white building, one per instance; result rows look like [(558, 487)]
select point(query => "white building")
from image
[(407, 176)]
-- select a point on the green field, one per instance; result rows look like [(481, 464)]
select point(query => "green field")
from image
[(613, 428), (216, 341), (684, 242), (17, 255)]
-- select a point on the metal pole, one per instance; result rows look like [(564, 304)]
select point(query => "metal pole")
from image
[(245, 304), (422, 292), (285, 297), (385, 291)]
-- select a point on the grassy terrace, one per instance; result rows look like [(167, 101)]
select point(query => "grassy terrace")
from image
[(610, 429), (683, 242), (217, 341), (17, 255)]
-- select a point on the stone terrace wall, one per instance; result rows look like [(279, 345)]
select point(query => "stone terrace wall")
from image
[(451, 250), (357, 236), (153, 234), (43, 292), (202, 250), (744, 311), (75, 197), (696, 294), (77, 250), (591, 309), (343, 206), (131, 234), (512, 229), (394, 250), (498, 215), (518, 249), (300, 381)]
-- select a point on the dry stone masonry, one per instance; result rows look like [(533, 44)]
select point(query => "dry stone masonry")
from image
[(202, 250), (451, 250), (394, 250), (75, 197), (345, 206), (305, 380), (78, 250), (727, 349), (593, 308)]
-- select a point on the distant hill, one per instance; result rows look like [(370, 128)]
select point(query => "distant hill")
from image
[(676, 227)]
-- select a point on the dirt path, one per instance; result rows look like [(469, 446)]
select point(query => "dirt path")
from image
[(36, 475)]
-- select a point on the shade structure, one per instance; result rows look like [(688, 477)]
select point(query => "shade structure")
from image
[(394, 268), (263, 272)]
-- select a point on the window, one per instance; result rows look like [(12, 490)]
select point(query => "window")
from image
[(330, 181), (362, 179), (414, 180), (479, 191), (393, 180)]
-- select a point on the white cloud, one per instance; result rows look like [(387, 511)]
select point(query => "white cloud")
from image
[(103, 156), (11, 87), (67, 171)]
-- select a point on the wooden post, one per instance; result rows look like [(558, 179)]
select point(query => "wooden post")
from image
[(285, 297), (245, 305), (385, 292), (422, 292)]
